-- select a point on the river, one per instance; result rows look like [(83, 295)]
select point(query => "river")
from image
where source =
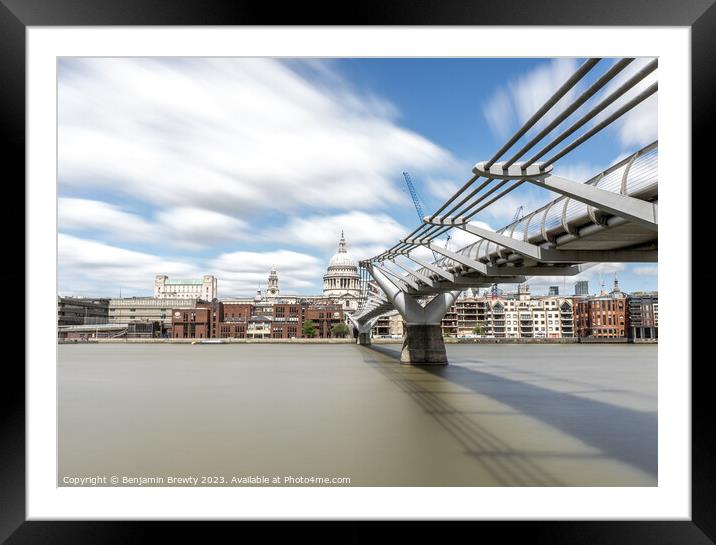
[(347, 415)]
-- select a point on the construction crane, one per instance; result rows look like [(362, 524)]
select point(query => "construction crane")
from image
[(518, 214), (414, 195), (418, 206)]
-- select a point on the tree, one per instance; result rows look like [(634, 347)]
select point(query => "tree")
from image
[(340, 330), (478, 329), (309, 329)]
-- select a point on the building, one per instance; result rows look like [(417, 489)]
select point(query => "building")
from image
[(643, 316), (553, 290), (191, 323), (287, 321), (147, 309), (604, 316), (517, 316), (143, 330), (325, 317), (601, 317), (82, 311), (171, 288), (390, 325), (581, 287), (342, 281)]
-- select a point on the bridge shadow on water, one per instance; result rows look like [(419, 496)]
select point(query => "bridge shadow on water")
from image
[(617, 433)]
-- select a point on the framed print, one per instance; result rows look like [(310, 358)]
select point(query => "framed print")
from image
[(232, 312)]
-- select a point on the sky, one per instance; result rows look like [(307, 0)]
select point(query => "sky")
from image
[(227, 166)]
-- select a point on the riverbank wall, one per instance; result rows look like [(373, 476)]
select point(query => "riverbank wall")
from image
[(448, 340)]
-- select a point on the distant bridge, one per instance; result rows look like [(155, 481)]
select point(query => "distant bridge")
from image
[(612, 217)]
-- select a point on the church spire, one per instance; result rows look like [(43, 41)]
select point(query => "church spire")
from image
[(272, 288)]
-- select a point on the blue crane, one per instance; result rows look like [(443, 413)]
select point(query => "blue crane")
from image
[(414, 195), (418, 206)]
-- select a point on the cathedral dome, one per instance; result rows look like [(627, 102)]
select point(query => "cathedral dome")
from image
[(341, 259), (342, 281)]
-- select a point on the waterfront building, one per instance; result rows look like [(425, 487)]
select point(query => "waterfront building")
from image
[(82, 310), (258, 327), (325, 317), (287, 321), (342, 281), (191, 323), (147, 309), (256, 320), (601, 317), (518, 316), (390, 325), (643, 316), (171, 288)]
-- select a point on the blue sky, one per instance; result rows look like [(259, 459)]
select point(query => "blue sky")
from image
[(228, 166)]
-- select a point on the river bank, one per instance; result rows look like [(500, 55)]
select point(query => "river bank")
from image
[(448, 340)]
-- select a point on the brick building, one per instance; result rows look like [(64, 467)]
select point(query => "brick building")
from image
[(325, 316), (605, 316), (242, 320), (191, 323)]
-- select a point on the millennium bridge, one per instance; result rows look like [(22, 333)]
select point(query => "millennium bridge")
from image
[(612, 217)]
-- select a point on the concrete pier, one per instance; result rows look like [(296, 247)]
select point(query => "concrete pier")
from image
[(423, 345)]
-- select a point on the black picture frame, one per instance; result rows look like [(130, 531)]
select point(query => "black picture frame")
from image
[(700, 16)]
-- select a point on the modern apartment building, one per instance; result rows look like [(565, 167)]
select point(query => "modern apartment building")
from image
[(511, 316)]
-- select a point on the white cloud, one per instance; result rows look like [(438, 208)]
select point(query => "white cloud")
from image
[(511, 106), (651, 270), (243, 272), (235, 136), (499, 113), (87, 267), (639, 126), (192, 227), (441, 188), (366, 234), (183, 227), (503, 211), (531, 91), (98, 216)]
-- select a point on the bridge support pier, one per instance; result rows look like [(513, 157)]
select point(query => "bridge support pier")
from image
[(423, 343), (362, 330)]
